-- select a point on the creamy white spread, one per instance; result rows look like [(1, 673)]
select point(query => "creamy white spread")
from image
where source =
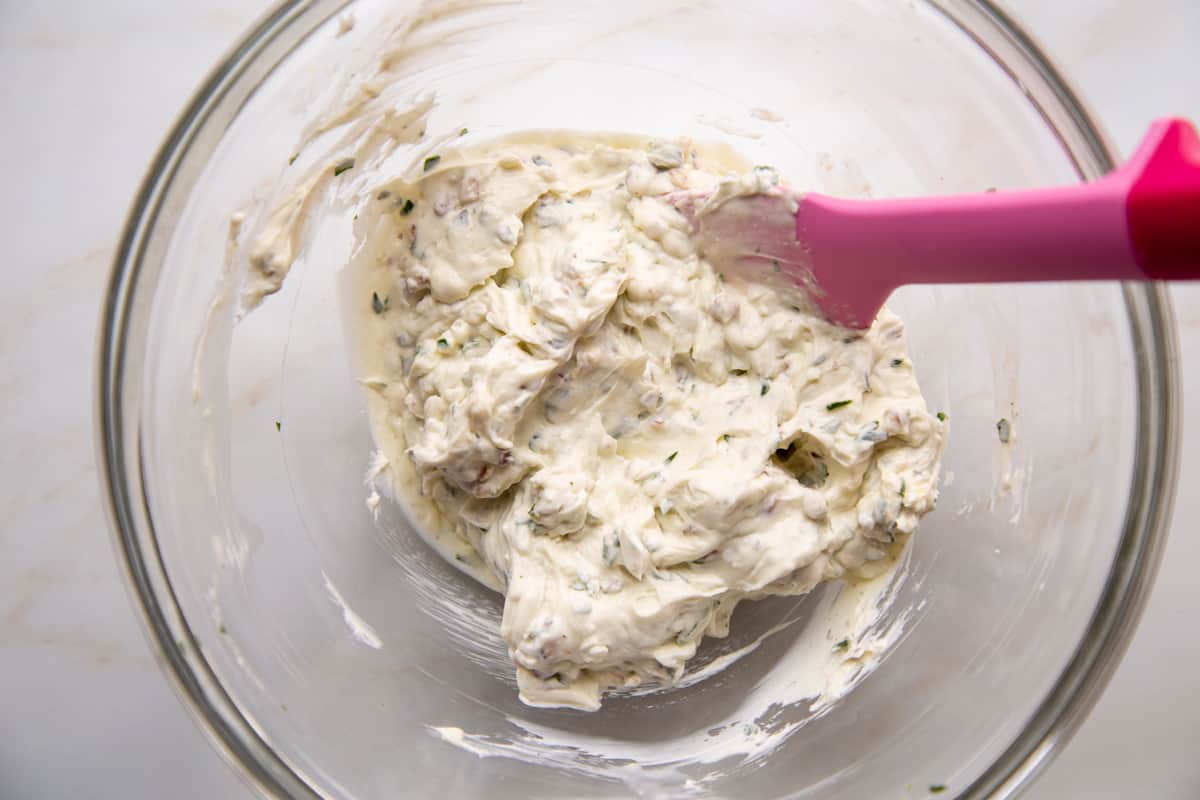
[(623, 436)]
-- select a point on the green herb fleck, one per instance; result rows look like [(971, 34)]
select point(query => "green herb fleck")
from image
[(739, 372), (292, 158), (766, 387), (725, 437), (443, 343), (343, 166), (459, 557), (611, 548), (463, 132), (897, 362), (683, 637), (903, 487), (937, 788), (378, 304), (407, 208), (842, 646), (278, 425), (834, 406), (221, 629), (1004, 430), (671, 457), (941, 415), (432, 162), (283, 706)]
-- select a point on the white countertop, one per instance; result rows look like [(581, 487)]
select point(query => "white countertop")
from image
[(88, 91)]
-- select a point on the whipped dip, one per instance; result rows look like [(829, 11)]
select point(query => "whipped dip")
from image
[(624, 435)]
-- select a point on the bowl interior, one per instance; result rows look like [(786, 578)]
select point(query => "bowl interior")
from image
[(375, 669)]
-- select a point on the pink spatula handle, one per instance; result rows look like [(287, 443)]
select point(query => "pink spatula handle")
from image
[(1140, 222), (1163, 206)]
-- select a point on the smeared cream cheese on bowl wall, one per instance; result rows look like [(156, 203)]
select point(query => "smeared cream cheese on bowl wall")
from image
[(623, 438)]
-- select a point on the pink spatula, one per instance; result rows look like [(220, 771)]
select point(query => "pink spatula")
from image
[(1139, 222)]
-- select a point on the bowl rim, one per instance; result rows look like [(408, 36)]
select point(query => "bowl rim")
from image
[(118, 381)]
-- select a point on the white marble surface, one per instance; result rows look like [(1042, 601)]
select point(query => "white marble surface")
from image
[(88, 90)]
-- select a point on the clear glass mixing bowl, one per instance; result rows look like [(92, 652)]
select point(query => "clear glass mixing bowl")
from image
[(306, 637)]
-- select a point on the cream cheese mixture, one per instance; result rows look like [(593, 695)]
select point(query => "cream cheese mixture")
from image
[(623, 436)]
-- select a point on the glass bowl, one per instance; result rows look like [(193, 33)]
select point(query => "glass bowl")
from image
[(331, 654)]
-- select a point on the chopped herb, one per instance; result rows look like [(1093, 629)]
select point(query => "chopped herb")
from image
[(540, 161), (343, 166), (941, 415), (283, 706), (221, 629), (278, 425), (725, 437), (834, 406), (842, 646), (463, 132), (407, 208), (671, 457), (431, 162), (1004, 430), (459, 557), (766, 387), (611, 548), (871, 432), (378, 304), (683, 637), (937, 788), (292, 158), (739, 371), (442, 343), (897, 362)]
